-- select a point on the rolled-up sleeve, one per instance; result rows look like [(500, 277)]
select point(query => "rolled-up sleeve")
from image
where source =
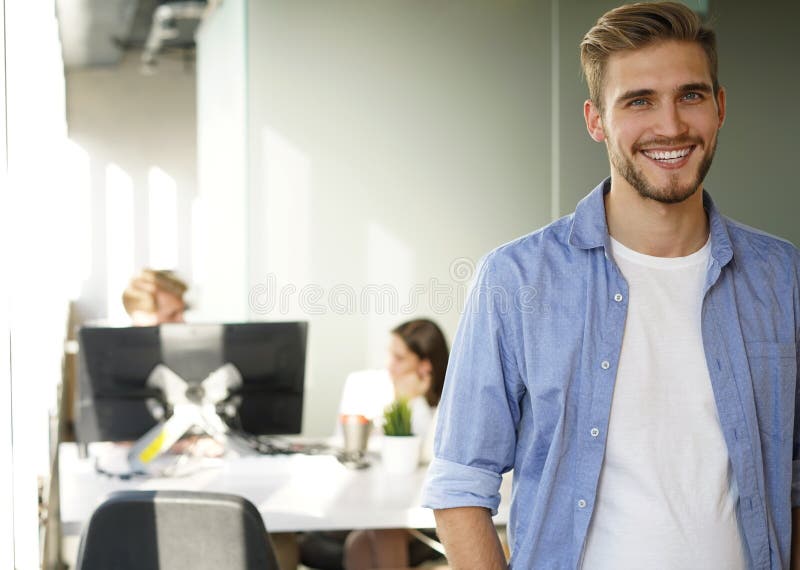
[(476, 432), (451, 484)]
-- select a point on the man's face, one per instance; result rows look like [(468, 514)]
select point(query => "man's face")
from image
[(660, 119)]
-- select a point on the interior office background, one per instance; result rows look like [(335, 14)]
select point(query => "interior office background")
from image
[(344, 162)]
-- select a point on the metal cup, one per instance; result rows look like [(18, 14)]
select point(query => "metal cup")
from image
[(356, 430)]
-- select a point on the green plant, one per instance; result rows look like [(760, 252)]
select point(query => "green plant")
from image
[(397, 418)]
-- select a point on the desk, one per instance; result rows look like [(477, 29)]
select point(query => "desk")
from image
[(292, 492)]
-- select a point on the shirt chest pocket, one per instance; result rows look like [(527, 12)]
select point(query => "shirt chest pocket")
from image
[(773, 367)]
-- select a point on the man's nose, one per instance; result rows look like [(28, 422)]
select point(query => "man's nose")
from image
[(671, 122)]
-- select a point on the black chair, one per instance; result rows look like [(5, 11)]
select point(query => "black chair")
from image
[(166, 530)]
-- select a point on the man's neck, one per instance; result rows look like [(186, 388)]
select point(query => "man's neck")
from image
[(655, 228)]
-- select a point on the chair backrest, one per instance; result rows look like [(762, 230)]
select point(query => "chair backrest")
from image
[(165, 530)]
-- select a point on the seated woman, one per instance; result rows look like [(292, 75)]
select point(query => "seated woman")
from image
[(416, 367), (418, 356)]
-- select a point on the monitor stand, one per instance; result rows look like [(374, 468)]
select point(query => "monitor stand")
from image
[(194, 406)]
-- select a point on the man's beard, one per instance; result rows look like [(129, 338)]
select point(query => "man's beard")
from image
[(673, 192)]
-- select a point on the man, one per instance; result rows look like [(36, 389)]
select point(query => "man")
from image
[(155, 297), (634, 363)]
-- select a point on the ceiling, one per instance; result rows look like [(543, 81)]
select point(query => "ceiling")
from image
[(99, 32)]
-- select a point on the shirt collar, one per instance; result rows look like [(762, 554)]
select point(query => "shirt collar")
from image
[(589, 229)]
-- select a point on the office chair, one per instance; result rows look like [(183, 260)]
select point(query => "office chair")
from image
[(166, 530)]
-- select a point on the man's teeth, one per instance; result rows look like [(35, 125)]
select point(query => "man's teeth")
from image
[(667, 154)]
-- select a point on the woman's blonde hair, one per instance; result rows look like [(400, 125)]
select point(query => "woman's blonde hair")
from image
[(141, 292), (635, 26)]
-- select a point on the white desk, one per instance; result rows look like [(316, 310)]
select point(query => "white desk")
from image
[(292, 492)]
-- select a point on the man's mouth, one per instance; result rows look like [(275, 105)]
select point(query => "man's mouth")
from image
[(669, 157)]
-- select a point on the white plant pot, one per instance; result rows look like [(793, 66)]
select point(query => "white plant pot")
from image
[(400, 453)]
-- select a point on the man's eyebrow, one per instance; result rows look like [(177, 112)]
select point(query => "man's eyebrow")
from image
[(702, 87), (634, 94)]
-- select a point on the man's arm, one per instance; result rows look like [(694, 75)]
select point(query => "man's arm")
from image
[(796, 539), (469, 538)]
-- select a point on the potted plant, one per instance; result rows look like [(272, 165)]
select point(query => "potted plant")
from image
[(400, 450)]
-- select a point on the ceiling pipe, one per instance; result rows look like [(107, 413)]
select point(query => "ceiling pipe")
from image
[(164, 26)]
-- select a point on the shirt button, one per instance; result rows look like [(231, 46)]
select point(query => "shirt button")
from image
[(618, 297), (605, 365), (595, 432), (581, 504)]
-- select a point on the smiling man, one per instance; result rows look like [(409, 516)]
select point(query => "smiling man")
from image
[(647, 401)]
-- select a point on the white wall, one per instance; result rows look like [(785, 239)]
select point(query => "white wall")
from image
[(389, 146), (6, 477), (134, 140), (388, 143), (221, 236), (36, 203)]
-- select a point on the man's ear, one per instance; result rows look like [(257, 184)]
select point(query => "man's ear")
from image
[(721, 106), (594, 121)]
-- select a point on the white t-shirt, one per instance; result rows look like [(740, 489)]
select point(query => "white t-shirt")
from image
[(667, 497)]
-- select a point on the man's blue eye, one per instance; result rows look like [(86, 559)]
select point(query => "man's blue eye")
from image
[(638, 102), (692, 96)]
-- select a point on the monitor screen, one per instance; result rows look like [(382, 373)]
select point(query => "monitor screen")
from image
[(115, 402)]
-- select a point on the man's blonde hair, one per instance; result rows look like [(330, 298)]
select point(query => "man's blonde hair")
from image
[(141, 292), (635, 26)]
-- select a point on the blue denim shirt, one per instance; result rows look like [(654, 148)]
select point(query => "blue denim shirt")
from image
[(533, 367)]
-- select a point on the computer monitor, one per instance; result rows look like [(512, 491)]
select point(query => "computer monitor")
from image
[(116, 403)]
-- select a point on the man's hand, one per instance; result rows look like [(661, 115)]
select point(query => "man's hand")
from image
[(469, 538)]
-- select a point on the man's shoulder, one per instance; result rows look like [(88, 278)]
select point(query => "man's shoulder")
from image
[(544, 242), (748, 241)]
